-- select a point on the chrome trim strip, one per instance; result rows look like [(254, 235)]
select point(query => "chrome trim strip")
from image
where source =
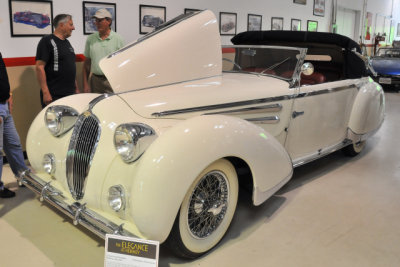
[(76, 211), (320, 153), (265, 120), (249, 102), (221, 106), (326, 91), (251, 110)]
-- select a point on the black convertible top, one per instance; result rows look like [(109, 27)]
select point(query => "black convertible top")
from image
[(273, 37)]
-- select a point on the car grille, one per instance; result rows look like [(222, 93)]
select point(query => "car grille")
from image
[(82, 147)]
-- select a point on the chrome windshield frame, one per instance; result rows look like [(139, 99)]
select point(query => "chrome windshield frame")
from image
[(296, 73)]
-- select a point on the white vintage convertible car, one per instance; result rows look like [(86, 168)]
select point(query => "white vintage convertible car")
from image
[(190, 122)]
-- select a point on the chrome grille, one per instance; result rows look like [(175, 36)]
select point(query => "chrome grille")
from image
[(82, 147)]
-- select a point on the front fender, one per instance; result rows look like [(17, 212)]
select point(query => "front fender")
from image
[(368, 109), (171, 164)]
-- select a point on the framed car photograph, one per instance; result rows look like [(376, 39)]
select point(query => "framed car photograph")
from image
[(191, 10), (150, 17), (227, 23), (31, 18), (312, 25), (301, 2), (295, 25), (254, 22), (90, 8), (319, 8), (276, 24)]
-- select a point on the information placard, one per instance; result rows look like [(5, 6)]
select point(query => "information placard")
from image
[(123, 251)]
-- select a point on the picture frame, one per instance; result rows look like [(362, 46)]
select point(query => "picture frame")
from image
[(227, 23), (301, 2), (90, 8), (319, 8), (150, 17), (254, 22), (312, 26), (30, 18), (276, 23), (191, 10), (295, 25)]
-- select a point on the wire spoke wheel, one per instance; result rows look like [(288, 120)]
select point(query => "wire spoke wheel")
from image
[(206, 211)]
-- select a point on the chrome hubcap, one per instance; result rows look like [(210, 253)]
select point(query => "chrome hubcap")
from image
[(208, 204)]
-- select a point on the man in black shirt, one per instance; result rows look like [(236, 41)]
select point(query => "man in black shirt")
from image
[(55, 62), (9, 139)]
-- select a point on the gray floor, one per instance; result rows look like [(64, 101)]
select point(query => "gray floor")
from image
[(336, 211)]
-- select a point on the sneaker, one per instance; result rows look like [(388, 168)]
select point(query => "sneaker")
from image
[(5, 193)]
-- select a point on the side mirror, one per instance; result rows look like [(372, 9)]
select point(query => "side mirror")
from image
[(307, 68)]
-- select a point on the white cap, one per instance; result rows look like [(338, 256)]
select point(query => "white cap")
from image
[(102, 13)]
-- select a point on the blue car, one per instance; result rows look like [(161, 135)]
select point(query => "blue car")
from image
[(386, 64)]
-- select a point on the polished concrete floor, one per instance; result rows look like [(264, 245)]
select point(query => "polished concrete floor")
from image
[(336, 211)]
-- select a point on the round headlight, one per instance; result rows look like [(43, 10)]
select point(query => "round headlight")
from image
[(116, 197), (60, 119), (49, 163), (131, 139)]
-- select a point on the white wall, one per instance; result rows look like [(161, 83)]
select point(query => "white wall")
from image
[(128, 17)]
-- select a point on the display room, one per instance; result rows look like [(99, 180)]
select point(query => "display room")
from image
[(205, 133)]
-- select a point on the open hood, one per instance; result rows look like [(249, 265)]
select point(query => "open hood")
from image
[(191, 43)]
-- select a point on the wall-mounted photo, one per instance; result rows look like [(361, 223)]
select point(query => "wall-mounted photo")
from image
[(295, 25), (301, 2), (30, 18), (227, 23), (312, 25), (276, 24), (191, 10), (254, 22), (90, 8), (319, 8), (150, 17)]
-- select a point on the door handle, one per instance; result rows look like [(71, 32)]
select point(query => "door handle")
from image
[(297, 113)]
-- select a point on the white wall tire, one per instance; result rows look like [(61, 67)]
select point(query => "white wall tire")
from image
[(206, 211)]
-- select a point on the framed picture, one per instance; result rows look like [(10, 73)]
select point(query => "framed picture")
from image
[(295, 25), (227, 23), (150, 17), (319, 8), (31, 18), (312, 25), (301, 2), (191, 10), (90, 8), (254, 22), (276, 24)]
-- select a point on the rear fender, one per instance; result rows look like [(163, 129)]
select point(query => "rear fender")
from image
[(174, 160), (368, 109)]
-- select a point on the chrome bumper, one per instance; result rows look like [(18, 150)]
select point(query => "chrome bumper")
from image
[(79, 213)]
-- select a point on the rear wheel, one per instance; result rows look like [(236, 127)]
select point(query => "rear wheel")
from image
[(354, 149), (206, 211)]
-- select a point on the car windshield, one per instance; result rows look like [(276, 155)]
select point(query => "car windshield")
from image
[(263, 60), (388, 52)]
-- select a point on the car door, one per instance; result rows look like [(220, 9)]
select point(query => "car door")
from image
[(319, 119)]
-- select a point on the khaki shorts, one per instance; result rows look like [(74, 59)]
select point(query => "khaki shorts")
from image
[(100, 84)]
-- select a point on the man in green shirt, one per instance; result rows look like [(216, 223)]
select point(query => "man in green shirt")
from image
[(99, 45)]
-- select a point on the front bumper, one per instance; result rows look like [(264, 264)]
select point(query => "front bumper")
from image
[(387, 80), (79, 213)]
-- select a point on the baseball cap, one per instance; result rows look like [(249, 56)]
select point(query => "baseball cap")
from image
[(102, 13)]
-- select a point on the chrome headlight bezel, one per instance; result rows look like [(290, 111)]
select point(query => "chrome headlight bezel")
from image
[(132, 139), (60, 119)]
